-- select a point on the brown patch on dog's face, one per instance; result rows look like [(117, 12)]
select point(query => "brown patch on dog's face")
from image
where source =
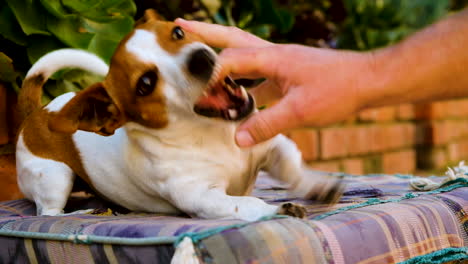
[(137, 89), (170, 36), (136, 84)]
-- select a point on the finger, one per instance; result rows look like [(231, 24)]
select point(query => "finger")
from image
[(266, 93), (248, 63), (222, 36), (267, 123)]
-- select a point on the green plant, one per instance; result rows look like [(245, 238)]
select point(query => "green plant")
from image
[(31, 28), (374, 23), (260, 17)]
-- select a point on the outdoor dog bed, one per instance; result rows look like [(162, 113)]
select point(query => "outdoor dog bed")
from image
[(380, 219)]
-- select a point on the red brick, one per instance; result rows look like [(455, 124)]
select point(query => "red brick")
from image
[(333, 142), (353, 166), (331, 166), (405, 112), (372, 164), (442, 110), (359, 140), (432, 158), (458, 128), (458, 151), (350, 120), (399, 162), (420, 133), (382, 114), (431, 111), (390, 137), (397, 137), (307, 142), (437, 133), (410, 134), (457, 109)]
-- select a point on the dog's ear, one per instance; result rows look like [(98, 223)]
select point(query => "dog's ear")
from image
[(150, 14), (90, 110)]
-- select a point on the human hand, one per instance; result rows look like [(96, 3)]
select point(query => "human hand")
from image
[(316, 87)]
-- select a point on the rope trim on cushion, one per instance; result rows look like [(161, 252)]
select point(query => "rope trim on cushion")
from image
[(89, 239), (449, 186), (198, 236), (426, 184), (440, 256)]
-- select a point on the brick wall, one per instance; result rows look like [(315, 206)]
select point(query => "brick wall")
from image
[(400, 139)]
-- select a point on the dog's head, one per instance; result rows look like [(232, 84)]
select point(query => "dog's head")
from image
[(158, 73)]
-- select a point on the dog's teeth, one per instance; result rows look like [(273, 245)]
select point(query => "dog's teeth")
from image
[(244, 93), (215, 75), (232, 113)]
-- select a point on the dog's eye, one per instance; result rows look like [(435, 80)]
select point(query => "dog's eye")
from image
[(178, 33), (146, 83)]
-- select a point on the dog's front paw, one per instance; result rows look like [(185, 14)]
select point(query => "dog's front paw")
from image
[(292, 209), (327, 192)]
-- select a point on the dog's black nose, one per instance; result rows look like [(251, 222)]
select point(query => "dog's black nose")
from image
[(201, 64)]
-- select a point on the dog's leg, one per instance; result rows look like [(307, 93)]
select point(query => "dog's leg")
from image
[(207, 201), (48, 183), (284, 162)]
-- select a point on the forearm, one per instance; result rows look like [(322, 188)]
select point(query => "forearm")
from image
[(430, 65)]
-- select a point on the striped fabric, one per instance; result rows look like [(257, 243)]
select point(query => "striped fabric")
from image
[(378, 220)]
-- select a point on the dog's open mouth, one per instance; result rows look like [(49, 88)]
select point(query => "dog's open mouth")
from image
[(225, 100)]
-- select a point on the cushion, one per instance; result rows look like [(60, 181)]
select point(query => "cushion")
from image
[(379, 219)]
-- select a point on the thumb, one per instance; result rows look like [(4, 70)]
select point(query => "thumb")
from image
[(267, 123)]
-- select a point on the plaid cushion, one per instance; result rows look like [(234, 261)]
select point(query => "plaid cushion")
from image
[(378, 220)]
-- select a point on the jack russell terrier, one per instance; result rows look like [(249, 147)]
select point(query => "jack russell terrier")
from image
[(153, 137)]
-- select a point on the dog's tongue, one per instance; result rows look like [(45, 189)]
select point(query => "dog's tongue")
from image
[(226, 100), (216, 98)]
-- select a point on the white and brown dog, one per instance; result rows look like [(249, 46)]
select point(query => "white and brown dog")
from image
[(142, 139)]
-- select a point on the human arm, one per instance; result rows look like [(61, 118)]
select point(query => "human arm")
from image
[(319, 87)]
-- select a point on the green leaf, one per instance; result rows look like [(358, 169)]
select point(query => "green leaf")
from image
[(287, 20), (41, 45), (213, 6), (107, 35), (68, 80), (9, 27), (82, 6), (103, 47), (55, 7), (262, 31), (372, 24), (244, 19), (267, 13), (115, 29), (8, 73), (103, 10), (70, 31), (31, 16)]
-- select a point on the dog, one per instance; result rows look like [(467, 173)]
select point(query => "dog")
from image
[(153, 136)]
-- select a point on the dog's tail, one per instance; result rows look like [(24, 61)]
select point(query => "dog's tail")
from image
[(30, 94)]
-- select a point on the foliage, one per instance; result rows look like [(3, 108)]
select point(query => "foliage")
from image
[(347, 24), (31, 28), (370, 24)]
